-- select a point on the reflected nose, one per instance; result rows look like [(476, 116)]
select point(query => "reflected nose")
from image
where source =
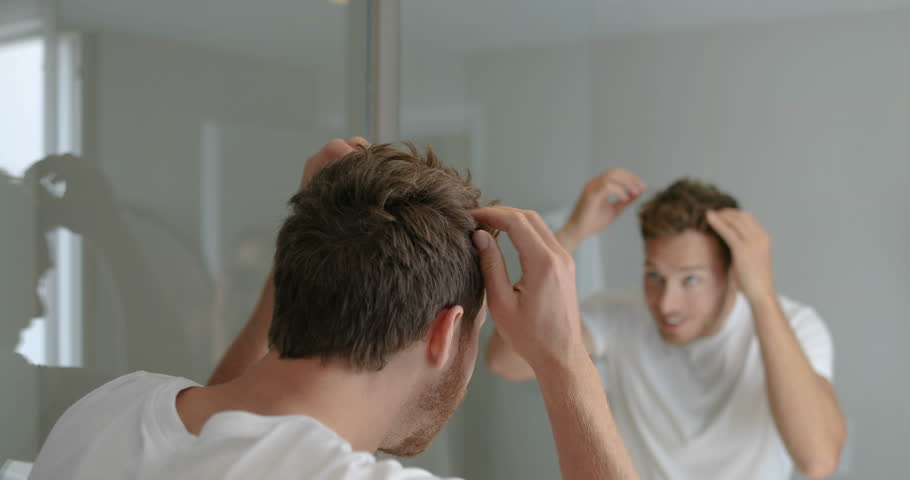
[(669, 301)]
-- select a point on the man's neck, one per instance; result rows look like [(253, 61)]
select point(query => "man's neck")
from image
[(359, 406)]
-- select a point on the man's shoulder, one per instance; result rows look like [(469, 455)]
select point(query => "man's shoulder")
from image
[(130, 387), (617, 305), (117, 398), (99, 432)]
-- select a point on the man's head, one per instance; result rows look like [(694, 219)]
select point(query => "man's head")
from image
[(376, 257), (687, 279)]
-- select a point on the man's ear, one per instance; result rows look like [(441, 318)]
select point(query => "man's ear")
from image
[(444, 336)]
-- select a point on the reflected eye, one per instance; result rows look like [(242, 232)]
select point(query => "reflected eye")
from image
[(691, 281), (653, 277)]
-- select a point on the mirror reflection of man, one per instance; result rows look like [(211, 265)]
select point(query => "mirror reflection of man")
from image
[(714, 375)]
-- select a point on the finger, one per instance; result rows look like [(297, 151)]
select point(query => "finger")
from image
[(739, 221), (357, 141), (543, 230), (495, 275), (621, 193), (748, 224), (630, 187), (604, 186), (336, 149), (631, 182), (331, 152), (531, 247), (620, 206), (723, 227)]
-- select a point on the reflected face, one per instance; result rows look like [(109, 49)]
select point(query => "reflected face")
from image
[(687, 287), (436, 405)]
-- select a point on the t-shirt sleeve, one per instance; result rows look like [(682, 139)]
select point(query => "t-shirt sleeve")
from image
[(815, 339)]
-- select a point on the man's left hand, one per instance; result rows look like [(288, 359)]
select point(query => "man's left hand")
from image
[(330, 153), (750, 245)]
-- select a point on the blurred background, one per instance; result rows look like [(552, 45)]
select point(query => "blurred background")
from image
[(189, 123)]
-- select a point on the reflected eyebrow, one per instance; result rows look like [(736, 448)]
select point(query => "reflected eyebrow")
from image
[(691, 268)]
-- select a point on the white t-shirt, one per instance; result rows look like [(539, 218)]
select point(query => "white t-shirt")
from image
[(698, 411), (129, 429)]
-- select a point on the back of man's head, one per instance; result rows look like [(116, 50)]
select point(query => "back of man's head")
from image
[(376, 245), (684, 206)]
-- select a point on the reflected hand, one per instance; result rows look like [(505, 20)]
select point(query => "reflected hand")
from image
[(603, 199), (538, 316), (86, 207), (750, 245), (330, 153)]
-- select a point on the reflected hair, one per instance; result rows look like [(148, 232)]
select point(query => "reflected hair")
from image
[(684, 206)]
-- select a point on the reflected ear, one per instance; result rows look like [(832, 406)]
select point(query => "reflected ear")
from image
[(444, 336)]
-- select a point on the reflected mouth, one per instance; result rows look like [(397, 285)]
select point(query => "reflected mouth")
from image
[(671, 323)]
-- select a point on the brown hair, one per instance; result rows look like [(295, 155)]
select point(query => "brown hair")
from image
[(375, 246), (683, 206)]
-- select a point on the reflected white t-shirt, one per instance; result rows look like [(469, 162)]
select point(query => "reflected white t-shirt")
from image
[(698, 411), (129, 429)]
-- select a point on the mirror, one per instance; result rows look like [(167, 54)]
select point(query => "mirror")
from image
[(799, 109)]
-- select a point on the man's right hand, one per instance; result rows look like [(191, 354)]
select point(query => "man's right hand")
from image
[(602, 200), (538, 316)]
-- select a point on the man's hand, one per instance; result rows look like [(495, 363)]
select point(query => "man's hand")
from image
[(330, 153), (750, 245), (602, 200), (87, 207), (803, 403), (538, 316)]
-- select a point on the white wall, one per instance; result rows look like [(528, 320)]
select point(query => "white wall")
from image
[(527, 95), (806, 122)]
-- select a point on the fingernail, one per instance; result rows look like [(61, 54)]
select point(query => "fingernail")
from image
[(481, 239)]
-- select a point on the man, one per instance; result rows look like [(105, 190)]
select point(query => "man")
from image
[(364, 339), (726, 379)]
